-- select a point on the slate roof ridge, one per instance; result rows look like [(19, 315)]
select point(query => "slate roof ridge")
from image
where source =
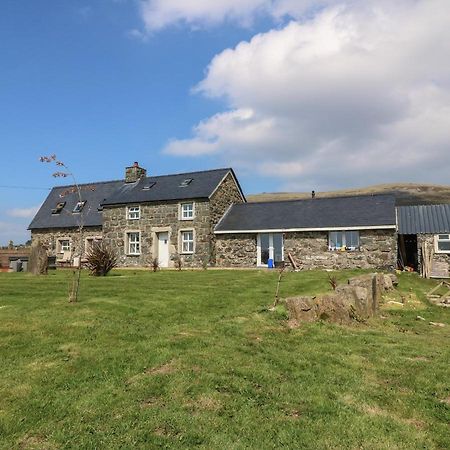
[(188, 173), (147, 177), (87, 184), (315, 199)]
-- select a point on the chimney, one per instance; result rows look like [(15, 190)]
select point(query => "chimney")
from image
[(313, 194), (134, 172)]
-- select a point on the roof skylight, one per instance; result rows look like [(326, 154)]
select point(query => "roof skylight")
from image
[(186, 182)]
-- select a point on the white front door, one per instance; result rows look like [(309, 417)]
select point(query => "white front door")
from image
[(163, 249)]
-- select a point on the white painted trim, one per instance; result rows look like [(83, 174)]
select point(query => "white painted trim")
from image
[(180, 241), (271, 249), (289, 230), (235, 182), (180, 211), (127, 243), (436, 241), (128, 212)]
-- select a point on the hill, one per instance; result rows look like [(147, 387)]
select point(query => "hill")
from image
[(405, 193)]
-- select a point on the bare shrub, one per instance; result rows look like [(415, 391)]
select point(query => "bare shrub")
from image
[(155, 264), (332, 280), (100, 259)]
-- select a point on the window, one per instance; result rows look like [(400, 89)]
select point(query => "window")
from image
[(134, 243), (270, 246), (186, 182), (90, 241), (63, 245), (148, 186), (187, 241), (343, 240), (442, 243), (134, 212), (59, 207), (187, 211), (79, 207)]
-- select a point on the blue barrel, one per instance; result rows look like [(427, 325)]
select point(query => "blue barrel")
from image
[(270, 263)]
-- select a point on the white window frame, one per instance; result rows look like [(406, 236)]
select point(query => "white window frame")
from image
[(60, 248), (182, 211), (183, 241), (271, 249), (78, 208), (133, 212), (130, 243), (437, 240), (344, 244)]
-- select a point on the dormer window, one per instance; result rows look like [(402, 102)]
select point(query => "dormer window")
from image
[(134, 212), (186, 182), (59, 207), (79, 207)]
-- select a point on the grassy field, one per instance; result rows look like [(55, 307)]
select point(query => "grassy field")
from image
[(194, 359)]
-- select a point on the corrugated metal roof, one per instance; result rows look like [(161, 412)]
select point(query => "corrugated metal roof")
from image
[(318, 213), (423, 219)]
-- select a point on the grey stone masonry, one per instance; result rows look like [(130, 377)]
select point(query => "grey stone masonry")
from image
[(156, 218), (166, 217), (49, 237), (226, 194), (378, 249), (429, 239), (236, 250)]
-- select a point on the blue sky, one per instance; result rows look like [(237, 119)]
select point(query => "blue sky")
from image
[(276, 89)]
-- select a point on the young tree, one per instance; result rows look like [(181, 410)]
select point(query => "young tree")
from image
[(74, 289)]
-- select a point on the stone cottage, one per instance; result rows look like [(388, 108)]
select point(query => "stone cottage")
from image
[(424, 228), (333, 233), (203, 218), (164, 217)]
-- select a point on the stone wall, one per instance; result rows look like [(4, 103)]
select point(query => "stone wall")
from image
[(236, 250), (49, 237), (156, 218), (226, 194), (378, 249)]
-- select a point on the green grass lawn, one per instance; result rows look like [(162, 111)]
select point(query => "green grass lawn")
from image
[(195, 359)]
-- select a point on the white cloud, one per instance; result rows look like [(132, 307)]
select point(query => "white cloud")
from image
[(354, 94), (159, 14), (24, 213), (13, 232)]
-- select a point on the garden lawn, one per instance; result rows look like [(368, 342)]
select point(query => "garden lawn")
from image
[(194, 359)]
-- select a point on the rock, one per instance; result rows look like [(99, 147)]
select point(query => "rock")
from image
[(437, 324), (420, 318), (301, 308)]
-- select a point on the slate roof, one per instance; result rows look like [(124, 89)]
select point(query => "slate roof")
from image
[(108, 193), (318, 213), (93, 193), (167, 187), (418, 219)]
